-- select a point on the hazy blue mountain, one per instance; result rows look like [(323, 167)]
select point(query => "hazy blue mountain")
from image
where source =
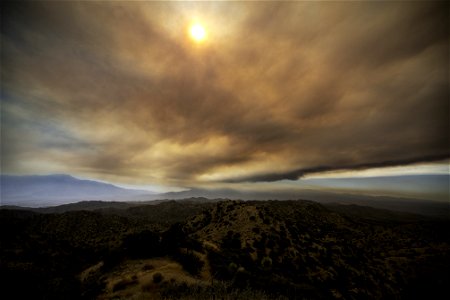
[(49, 190), (397, 192)]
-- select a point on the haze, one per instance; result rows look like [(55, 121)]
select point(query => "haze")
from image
[(119, 92)]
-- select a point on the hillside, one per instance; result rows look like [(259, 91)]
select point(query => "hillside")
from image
[(197, 249), (304, 248)]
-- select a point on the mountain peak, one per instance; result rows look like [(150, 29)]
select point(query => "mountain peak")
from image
[(56, 189)]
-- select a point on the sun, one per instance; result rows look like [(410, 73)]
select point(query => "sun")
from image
[(197, 32)]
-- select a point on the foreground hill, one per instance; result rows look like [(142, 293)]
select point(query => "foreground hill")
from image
[(229, 249), (303, 248)]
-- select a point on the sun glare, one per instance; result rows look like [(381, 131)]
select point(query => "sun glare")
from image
[(197, 32)]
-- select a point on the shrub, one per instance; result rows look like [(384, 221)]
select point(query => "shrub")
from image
[(157, 277), (143, 244), (266, 263), (232, 267), (232, 241), (190, 262)]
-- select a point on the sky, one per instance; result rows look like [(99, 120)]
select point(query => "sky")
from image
[(276, 92)]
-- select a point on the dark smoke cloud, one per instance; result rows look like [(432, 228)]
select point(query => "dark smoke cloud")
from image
[(297, 174), (116, 90)]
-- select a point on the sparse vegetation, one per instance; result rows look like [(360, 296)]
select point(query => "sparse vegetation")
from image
[(147, 267), (218, 290), (288, 249)]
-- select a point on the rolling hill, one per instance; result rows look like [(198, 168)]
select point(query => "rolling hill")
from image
[(200, 249)]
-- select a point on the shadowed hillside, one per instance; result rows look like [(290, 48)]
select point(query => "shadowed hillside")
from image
[(197, 249)]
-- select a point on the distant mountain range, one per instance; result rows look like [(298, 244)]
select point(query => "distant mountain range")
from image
[(58, 189), (54, 190), (403, 204)]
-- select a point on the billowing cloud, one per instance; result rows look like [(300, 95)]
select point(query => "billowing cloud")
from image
[(117, 91)]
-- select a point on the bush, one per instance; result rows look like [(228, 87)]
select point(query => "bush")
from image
[(232, 241), (173, 238), (266, 263), (232, 268), (143, 244), (190, 262), (157, 277)]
